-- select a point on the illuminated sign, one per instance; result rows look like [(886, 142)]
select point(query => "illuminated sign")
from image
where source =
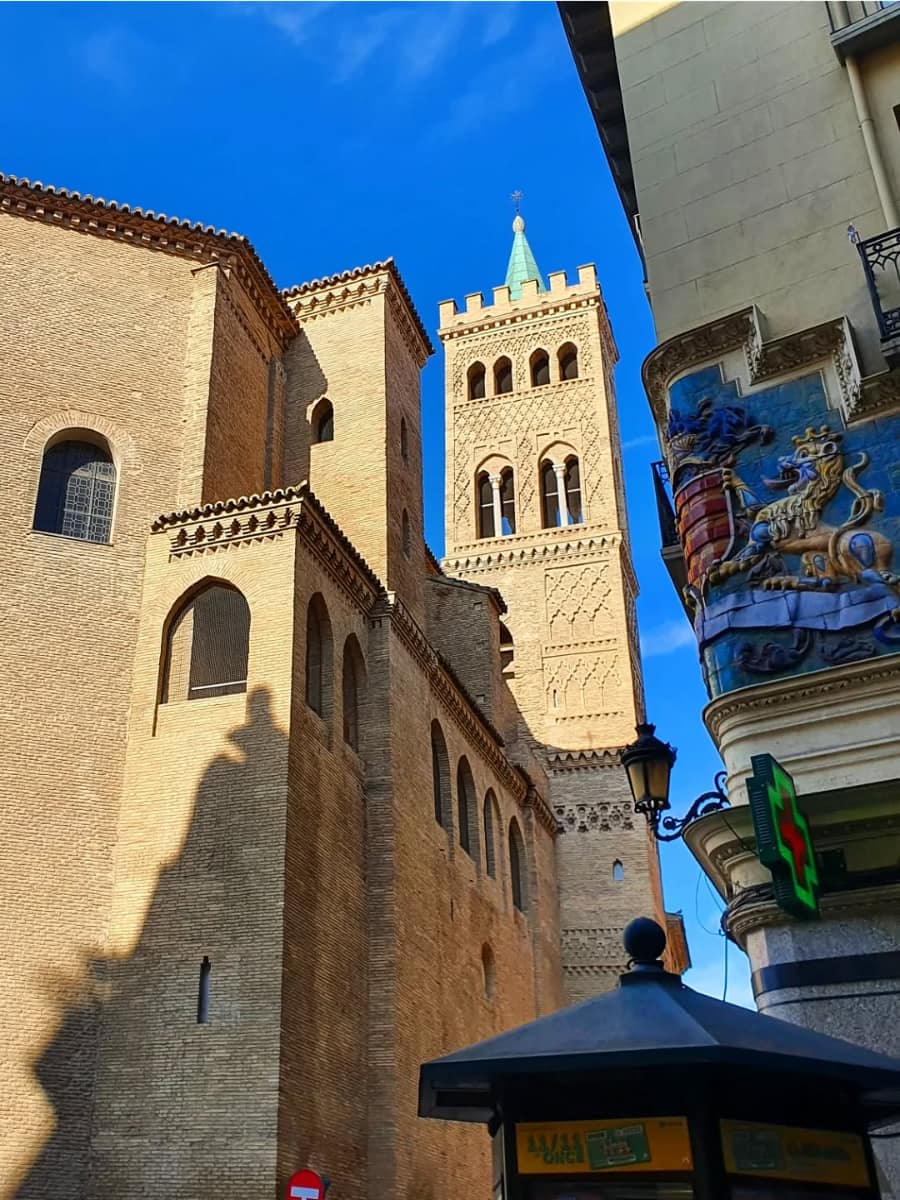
[(579, 1147), (783, 839), (804, 1155)]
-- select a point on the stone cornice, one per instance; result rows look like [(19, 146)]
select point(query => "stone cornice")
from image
[(524, 549), (336, 292), (831, 341), (785, 693), (267, 516), (171, 235), (755, 908)]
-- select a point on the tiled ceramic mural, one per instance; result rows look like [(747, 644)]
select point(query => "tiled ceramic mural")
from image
[(790, 525)]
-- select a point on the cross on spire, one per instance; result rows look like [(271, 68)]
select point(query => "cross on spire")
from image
[(522, 265)]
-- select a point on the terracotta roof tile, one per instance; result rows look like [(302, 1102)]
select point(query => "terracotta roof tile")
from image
[(235, 242), (388, 264)]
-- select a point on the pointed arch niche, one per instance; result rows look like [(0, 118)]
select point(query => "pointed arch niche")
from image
[(207, 644)]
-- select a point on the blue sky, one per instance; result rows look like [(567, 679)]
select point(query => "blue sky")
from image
[(334, 135)]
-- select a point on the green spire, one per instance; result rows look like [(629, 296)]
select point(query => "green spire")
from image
[(522, 265)]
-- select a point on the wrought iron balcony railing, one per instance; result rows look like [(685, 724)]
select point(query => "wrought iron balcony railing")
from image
[(670, 548), (664, 507), (880, 257)]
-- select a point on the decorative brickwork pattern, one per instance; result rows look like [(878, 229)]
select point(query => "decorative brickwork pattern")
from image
[(575, 669)]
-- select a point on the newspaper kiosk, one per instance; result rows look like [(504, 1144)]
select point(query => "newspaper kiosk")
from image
[(656, 1092)]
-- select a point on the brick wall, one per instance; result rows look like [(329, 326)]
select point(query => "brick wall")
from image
[(80, 321)]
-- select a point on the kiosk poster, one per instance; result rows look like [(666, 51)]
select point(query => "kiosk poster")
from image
[(579, 1147), (786, 1152)]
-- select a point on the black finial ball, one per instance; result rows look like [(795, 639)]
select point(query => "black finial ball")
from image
[(644, 940)]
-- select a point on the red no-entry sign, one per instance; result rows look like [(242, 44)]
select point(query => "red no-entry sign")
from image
[(305, 1185)]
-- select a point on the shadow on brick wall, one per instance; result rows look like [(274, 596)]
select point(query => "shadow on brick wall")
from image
[(163, 1082)]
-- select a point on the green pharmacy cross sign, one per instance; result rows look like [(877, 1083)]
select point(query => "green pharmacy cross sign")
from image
[(783, 839)]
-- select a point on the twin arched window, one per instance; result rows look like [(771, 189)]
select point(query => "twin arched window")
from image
[(207, 646), (77, 489), (496, 503), (561, 493)]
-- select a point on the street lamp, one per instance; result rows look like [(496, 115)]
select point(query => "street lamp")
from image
[(648, 763)]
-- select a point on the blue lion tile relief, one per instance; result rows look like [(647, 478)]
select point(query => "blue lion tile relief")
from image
[(790, 525)]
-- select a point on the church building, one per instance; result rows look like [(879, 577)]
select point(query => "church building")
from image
[(288, 806)]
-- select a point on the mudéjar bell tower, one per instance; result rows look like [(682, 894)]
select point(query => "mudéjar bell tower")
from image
[(535, 507)]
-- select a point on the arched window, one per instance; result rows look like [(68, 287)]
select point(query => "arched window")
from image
[(323, 428), (568, 361), (404, 440), (207, 646), (76, 491), (507, 650), (517, 866), (405, 534), (503, 376), (440, 776), (467, 809), (490, 824), (508, 500), (549, 496), (618, 871), (475, 377), (488, 971), (573, 490), (319, 654), (540, 368), (353, 690), (485, 506)]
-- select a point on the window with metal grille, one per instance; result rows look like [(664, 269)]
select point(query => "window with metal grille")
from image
[(208, 646), (467, 808), (76, 491), (440, 776), (490, 824), (353, 691), (319, 655), (517, 866)]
